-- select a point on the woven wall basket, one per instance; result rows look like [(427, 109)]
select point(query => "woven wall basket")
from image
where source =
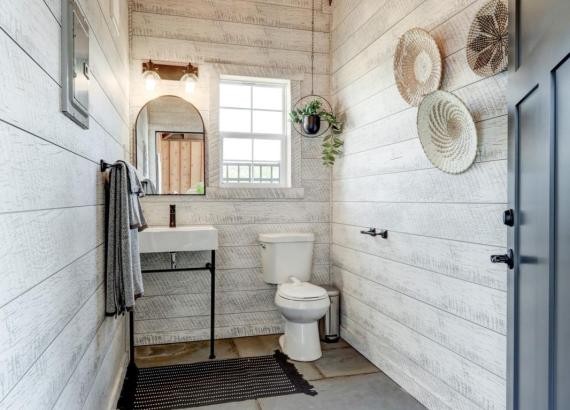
[(417, 65), (488, 39), (447, 132)]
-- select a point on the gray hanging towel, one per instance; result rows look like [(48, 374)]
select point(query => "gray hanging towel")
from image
[(125, 220)]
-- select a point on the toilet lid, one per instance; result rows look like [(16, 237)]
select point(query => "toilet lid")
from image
[(298, 290)]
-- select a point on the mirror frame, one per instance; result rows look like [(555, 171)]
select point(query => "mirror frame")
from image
[(135, 141)]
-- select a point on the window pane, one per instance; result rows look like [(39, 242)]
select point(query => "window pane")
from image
[(233, 171), (235, 95), (267, 122), (244, 172), (276, 172), (268, 98), (237, 149), (266, 150), (232, 120), (266, 172), (256, 172)]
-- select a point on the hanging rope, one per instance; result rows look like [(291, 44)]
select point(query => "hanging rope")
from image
[(312, 47)]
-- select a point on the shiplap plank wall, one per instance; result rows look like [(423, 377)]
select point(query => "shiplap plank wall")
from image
[(265, 38), (57, 344), (425, 305)]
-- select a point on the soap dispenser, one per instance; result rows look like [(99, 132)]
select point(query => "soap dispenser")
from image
[(172, 216)]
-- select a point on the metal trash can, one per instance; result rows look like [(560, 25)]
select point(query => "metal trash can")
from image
[(329, 325)]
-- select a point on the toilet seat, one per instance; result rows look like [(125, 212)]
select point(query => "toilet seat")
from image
[(301, 291)]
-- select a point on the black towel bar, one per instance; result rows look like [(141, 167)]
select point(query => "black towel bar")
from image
[(105, 165), (383, 233)]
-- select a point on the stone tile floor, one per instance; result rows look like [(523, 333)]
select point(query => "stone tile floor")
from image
[(343, 378)]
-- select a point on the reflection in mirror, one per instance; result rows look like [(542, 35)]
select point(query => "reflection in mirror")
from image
[(170, 147)]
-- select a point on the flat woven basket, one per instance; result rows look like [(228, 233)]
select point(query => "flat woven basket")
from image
[(417, 65), (447, 132), (488, 39)]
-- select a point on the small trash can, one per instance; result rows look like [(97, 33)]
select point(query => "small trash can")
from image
[(329, 325)]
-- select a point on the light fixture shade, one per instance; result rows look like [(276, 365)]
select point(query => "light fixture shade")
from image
[(189, 80), (151, 79)]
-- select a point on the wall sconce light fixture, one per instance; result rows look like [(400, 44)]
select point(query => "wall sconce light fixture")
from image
[(190, 78), (153, 73), (150, 75)]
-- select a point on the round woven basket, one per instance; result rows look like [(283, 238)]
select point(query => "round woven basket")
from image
[(488, 39), (417, 65), (447, 132)]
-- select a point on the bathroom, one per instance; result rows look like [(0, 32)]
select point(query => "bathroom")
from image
[(283, 204)]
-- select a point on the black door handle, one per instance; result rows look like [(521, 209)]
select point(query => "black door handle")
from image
[(509, 217), (508, 258)]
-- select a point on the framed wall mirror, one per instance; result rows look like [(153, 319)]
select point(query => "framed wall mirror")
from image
[(170, 147)]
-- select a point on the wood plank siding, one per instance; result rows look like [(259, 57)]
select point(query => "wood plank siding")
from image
[(425, 305), (58, 348), (261, 38)]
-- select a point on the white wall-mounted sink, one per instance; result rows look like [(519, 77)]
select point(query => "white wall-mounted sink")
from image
[(179, 239)]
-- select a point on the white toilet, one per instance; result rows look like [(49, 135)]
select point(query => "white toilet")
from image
[(287, 260)]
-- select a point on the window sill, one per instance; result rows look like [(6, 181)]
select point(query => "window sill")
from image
[(254, 193)]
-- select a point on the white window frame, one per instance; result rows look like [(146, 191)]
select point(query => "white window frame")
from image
[(284, 137)]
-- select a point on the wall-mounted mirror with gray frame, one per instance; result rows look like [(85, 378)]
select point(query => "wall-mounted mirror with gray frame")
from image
[(170, 147)]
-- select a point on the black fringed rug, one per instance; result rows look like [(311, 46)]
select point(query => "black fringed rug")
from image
[(217, 381)]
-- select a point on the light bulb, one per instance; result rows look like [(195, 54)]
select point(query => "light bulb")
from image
[(189, 81), (151, 79)]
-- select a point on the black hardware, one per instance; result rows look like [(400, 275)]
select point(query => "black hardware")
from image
[(172, 216), (509, 217), (86, 69), (127, 393), (105, 165), (130, 383), (212, 268), (383, 233), (508, 258)]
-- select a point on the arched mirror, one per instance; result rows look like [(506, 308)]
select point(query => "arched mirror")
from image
[(170, 147)]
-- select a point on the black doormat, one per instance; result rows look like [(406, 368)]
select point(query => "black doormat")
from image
[(217, 381)]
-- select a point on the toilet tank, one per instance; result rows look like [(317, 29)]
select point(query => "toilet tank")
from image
[(286, 254)]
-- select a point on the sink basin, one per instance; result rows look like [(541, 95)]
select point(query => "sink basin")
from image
[(180, 239)]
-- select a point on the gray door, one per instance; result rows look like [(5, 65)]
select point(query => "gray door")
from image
[(539, 194)]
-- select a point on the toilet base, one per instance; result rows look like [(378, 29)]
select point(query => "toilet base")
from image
[(301, 341)]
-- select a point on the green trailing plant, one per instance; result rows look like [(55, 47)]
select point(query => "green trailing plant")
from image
[(332, 143), (311, 108)]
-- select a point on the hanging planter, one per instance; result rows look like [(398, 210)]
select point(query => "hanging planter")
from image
[(312, 115), (311, 124), (306, 112), (312, 120)]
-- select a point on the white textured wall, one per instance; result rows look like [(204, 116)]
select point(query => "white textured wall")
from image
[(426, 305), (57, 348), (264, 38)]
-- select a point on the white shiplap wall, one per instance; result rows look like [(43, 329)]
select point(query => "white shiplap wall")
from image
[(265, 38), (58, 350), (425, 305)]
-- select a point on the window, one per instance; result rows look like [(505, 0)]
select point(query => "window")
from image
[(254, 131)]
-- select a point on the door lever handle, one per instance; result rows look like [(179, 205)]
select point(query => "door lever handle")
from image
[(508, 258), (383, 233), (509, 217)]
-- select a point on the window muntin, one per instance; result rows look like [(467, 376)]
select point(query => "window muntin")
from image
[(254, 131)]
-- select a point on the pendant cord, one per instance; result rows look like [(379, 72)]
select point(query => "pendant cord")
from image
[(312, 47)]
